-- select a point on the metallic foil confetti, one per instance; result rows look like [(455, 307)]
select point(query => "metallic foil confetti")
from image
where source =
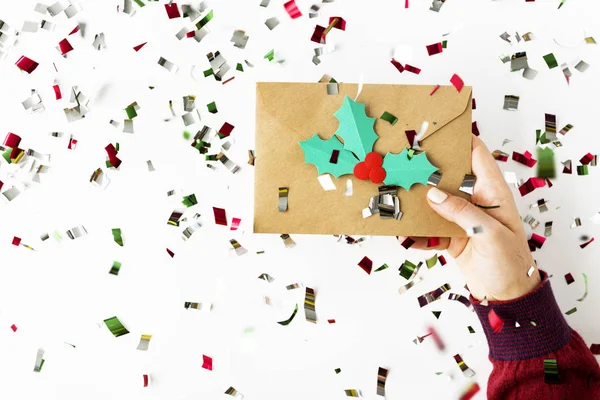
[(146, 380), (506, 37), (582, 66), (435, 178), (433, 241), (272, 23), (366, 264), (332, 88), (430, 262), (239, 250), (470, 328), (175, 217), (551, 375), (582, 170), (386, 116), (77, 232), (457, 82), (170, 253), (587, 159), (530, 185), (287, 321), (518, 61), (235, 223), (190, 200), (117, 237), (384, 266), (408, 270), (403, 289), (407, 243), (283, 199), (200, 24), (433, 49), (232, 392), (470, 391), (536, 241), (436, 5), (309, 306), (169, 66), (251, 157), (114, 270), (548, 229), (115, 327), (326, 182), (437, 314), (207, 362), (294, 286), (585, 279), (435, 89), (467, 372), (266, 277), (529, 73), (144, 342), (197, 306), (239, 39), (381, 378), (468, 184), (230, 165), (352, 393), (287, 240), (576, 222), (462, 299), (531, 221), (39, 361), (550, 61), (433, 295), (100, 42), (26, 64), (511, 102), (525, 159)]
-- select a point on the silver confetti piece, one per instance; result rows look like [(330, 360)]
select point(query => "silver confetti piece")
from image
[(239, 39), (582, 66), (39, 360), (548, 229), (283, 199), (77, 232), (99, 42), (169, 66), (332, 88), (468, 184), (309, 305), (435, 178)]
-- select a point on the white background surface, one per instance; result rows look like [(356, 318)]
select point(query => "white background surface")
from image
[(62, 291)]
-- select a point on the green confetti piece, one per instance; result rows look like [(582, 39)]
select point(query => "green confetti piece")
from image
[(139, 3), (470, 328), (260, 252), (189, 200), (270, 55), (208, 72), (239, 67), (117, 236), (572, 311), (407, 269), (582, 170), (204, 20), (211, 157), (550, 61), (432, 261), (545, 164), (332, 81), (384, 266), (6, 155), (117, 146), (287, 321), (551, 371), (108, 164), (410, 153), (187, 135), (533, 323), (437, 314), (212, 107), (114, 270), (115, 326), (338, 370), (386, 116), (131, 112), (444, 44), (562, 2)]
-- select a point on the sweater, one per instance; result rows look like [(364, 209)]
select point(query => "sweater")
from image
[(534, 352)]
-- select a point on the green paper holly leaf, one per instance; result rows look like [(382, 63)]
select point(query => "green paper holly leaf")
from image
[(356, 129), (405, 172), (318, 152)]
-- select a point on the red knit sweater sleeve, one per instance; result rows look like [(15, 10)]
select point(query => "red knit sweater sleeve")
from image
[(535, 330)]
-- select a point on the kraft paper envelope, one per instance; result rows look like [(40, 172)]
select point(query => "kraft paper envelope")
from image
[(287, 113)]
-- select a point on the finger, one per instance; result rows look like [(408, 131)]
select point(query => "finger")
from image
[(460, 211), (491, 188), (421, 243)]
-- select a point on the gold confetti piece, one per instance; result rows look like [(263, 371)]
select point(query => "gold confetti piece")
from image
[(576, 222), (251, 157), (234, 393), (198, 306), (511, 102), (294, 286), (239, 250), (352, 393), (144, 342), (309, 306), (287, 240)]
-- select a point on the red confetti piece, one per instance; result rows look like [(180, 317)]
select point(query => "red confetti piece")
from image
[(75, 30), (585, 160), (398, 66), (207, 362), (292, 9), (457, 82), (473, 104), (172, 10), (190, 34), (366, 264), (318, 35), (64, 46), (139, 46), (16, 241), (411, 135), (525, 159), (475, 129), (72, 144), (495, 321), (442, 260), (531, 184), (13, 327), (406, 4), (569, 278), (436, 338), (12, 140), (1, 184), (433, 241), (340, 24), (26, 64), (229, 80), (235, 223), (407, 243), (220, 216), (225, 130), (412, 69), (595, 349), (170, 253), (474, 388), (112, 155), (433, 49), (584, 245), (57, 92), (331, 321), (536, 242), (436, 87), (145, 380)]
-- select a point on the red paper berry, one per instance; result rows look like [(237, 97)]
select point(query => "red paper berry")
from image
[(361, 171), (377, 175), (373, 160)]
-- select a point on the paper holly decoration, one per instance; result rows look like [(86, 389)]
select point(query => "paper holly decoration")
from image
[(356, 155)]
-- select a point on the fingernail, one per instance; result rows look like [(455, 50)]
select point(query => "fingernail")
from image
[(436, 195)]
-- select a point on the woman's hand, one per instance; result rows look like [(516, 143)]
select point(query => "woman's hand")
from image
[(494, 262)]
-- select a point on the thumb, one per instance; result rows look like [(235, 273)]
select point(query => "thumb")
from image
[(460, 211)]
